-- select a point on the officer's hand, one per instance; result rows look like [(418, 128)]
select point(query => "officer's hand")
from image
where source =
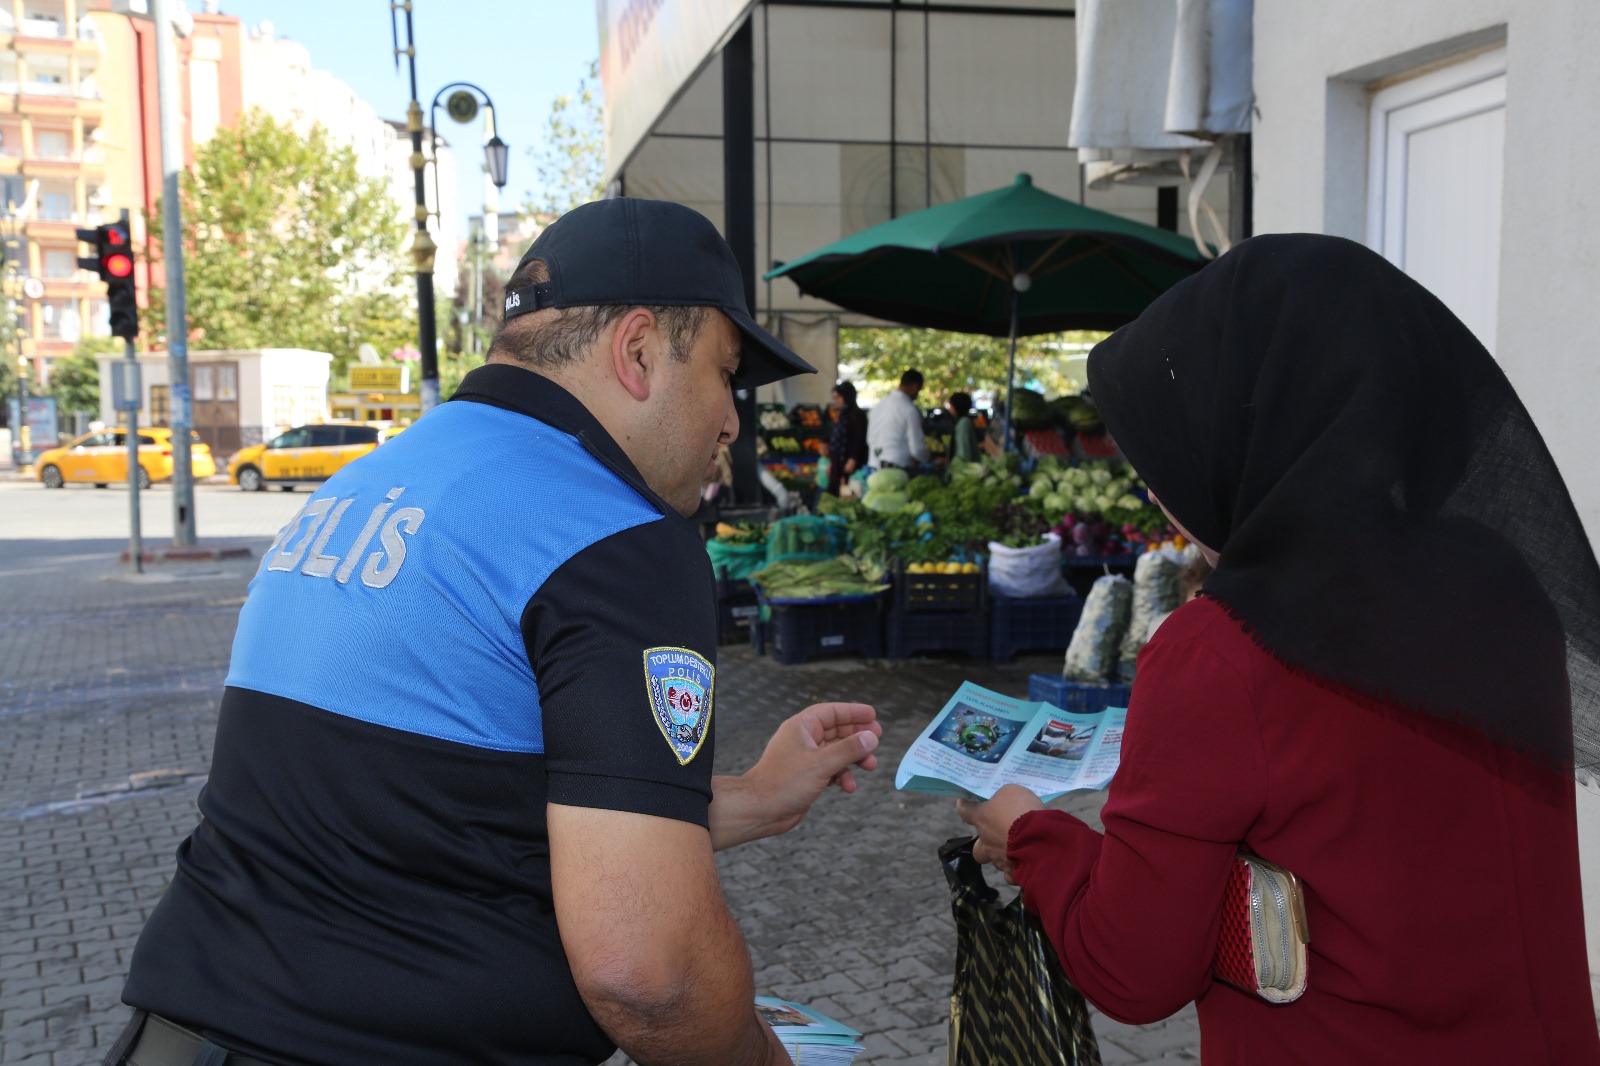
[(822, 745)]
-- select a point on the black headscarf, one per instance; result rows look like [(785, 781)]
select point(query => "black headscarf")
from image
[(1388, 517)]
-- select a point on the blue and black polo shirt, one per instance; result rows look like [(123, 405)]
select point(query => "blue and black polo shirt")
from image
[(489, 613)]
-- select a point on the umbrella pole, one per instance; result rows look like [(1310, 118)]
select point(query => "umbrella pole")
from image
[(1011, 367)]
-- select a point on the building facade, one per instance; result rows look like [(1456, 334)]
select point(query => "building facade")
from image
[(52, 167)]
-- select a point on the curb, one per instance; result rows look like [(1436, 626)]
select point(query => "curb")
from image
[(189, 553)]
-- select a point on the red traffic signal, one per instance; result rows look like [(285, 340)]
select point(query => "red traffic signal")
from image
[(113, 258), (113, 262), (117, 264)]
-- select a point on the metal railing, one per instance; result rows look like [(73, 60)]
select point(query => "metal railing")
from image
[(41, 28), (48, 88)]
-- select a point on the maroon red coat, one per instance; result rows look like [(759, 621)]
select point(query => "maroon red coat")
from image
[(1441, 871)]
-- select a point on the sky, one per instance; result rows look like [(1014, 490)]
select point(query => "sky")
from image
[(523, 53)]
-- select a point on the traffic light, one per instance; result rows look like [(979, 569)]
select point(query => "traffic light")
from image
[(113, 261)]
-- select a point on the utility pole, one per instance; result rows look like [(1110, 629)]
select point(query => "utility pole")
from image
[(182, 420), (422, 248), (11, 340), (113, 263)]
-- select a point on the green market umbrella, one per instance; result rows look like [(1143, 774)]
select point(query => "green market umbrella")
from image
[(1006, 263)]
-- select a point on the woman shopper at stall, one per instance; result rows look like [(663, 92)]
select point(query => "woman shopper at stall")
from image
[(847, 446), (964, 438), (1385, 687)]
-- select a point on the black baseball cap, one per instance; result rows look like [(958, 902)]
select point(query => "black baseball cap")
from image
[(636, 252)]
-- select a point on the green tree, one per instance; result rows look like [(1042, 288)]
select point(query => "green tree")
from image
[(967, 362), (571, 159), (287, 245), (75, 380)]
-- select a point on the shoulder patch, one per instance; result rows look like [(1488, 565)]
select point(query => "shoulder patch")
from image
[(680, 684)]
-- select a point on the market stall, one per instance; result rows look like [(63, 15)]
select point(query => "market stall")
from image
[(986, 558)]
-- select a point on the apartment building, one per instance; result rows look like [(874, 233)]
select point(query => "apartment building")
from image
[(52, 167)]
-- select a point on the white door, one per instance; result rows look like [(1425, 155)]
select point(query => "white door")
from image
[(1437, 155)]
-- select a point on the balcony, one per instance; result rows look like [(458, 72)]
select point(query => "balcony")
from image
[(50, 98), (62, 167), (40, 28), (50, 224), (49, 36)]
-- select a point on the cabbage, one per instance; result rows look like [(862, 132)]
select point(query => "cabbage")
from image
[(1047, 464), (883, 501), (1099, 476), (887, 481), (1056, 503), (1041, 487)]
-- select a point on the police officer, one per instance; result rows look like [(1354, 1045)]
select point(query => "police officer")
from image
[(461, 806)]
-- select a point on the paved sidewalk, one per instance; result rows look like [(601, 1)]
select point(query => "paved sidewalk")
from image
[(108, 692)]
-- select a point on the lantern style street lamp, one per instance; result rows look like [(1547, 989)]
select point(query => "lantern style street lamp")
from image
[(462, 105)]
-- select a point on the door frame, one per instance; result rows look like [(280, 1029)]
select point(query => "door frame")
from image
[(1481, 83)]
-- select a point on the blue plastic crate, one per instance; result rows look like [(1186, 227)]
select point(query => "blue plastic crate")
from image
[(1044, 623), (910, 632), (797, 632), (737, 609), (1076, 697)]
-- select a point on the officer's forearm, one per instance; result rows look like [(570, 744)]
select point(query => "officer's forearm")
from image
[(658, 959), (685, 1004), (740, 813)]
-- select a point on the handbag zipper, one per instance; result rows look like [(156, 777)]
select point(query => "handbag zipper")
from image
[(1258, 921), (1281, 902)]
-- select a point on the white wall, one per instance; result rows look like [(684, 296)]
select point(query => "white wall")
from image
[(1315, 66), (259, 371)]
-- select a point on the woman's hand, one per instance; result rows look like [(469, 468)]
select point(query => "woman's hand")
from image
[(992, 819)]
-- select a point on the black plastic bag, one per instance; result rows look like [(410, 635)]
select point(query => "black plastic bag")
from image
[(1011, 1004)]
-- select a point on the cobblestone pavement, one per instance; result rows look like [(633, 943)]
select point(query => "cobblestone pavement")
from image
[(108, 693)]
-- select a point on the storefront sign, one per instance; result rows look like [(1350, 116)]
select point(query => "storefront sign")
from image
[(649, 50), (380, 379)]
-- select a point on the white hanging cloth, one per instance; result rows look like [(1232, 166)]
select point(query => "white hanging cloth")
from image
[(1159, 81)]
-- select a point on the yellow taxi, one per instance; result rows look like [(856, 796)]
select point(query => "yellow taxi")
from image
[(100, 458), (305, 454)]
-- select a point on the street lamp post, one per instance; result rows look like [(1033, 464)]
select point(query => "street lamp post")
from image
[(463, 107), (422, 247)]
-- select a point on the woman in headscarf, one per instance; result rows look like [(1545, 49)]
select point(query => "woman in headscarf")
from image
[(964, 436), (847, 445), (1385, 687)]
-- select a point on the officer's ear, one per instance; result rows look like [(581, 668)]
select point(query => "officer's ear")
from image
[(634, 351)]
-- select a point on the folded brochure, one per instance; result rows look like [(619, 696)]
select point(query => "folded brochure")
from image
[(811, 1037), (982, 740)]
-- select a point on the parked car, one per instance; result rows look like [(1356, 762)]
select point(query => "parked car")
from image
[(305, 454), (101, 457)]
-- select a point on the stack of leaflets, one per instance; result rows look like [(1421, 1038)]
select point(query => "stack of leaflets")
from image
[(982, 740), (811, 1037)]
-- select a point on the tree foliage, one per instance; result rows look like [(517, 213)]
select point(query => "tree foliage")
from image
[(75, 380), (287, 245), (966, 362), (571, 159)]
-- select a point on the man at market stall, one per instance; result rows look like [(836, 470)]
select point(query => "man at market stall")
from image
[(461, 806), (894, 427)]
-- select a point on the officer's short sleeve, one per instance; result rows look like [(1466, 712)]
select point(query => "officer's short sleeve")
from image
[(622, 639)]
